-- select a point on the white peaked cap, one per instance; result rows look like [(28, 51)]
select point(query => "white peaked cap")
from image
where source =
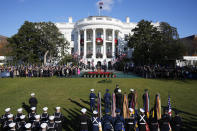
[(132, 90), (37, 116), (22, 117), (33, 108), (7, 109), (92, 90), (83, 110), (20, 110), (131, 109), (10, 115), (43, 125), (45, 108), (51, 118), (142, 110), (95, 112), (119, 90), (32, 94), (28, 125), (58, 108), (12, 125)]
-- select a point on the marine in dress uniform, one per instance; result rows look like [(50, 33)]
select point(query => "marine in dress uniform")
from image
[(20, 113), (52, 126), (119, 99), (6, 123), (36, 124), (45, 115), (165, 121), (107, 99), (95, 121), (142, 120), (33, 101), (21, 124), (107, 121), (92, 100), (177, 122), (58, 119), (118, 121), (131, 98), (32, 115), (130, 122), (84, 120)]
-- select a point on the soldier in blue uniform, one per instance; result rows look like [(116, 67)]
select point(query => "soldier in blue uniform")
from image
[(84, 120), (130, 122), (142, 120), (36, 124), (32, 115), (118, 121), (92, 100), (107, 121), (165, 121), (45, 115), (177, 122), (107, 99), (33, 101), (58, 118), (20, 113), (6, 123), (21, 124), (52, 126), (4, 117), (95, 121), (12, 126)]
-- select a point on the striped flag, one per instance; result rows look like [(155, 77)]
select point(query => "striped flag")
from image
[(169, 106), (100, 4), (113, 105)]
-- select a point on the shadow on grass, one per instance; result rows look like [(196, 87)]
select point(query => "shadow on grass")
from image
[(26, 107), (189, 123)]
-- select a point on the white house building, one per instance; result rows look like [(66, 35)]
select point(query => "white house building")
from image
[(98, 40)]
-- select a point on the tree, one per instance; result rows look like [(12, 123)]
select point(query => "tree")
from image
[(34, 41)]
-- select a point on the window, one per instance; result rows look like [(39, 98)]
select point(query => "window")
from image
[(99, 34), (72, 37)]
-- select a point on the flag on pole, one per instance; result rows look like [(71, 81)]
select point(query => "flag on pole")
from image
[(101, 4), (146, 103), (125, 107), (99, 105), (113, 105), (157, 112), (169, 106)]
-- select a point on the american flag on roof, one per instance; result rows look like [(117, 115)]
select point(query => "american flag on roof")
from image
[(101, 4)]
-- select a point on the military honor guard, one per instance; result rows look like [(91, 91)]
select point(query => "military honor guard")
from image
[(131, 99), (130, 122), (21, 124), (6, 123), (119, 99), (118, 121), (33, 101), (28, 127), (20, 113), (84, 120), (4, 117), (45, 115), (96, 122), (12, 127), (58, 118), (107, 121), (92, 100), (32, 115), (142, 120), (165, 121), (36, 124), (43, 127), (52, 126), (177, 122), (107, 99)]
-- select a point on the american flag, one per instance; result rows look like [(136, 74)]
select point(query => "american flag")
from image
[(169, 106), (101, 4)]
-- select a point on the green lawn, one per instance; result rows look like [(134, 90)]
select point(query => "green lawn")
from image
[(72, 94)]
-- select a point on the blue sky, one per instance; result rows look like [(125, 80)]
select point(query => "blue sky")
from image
[(181, 14)]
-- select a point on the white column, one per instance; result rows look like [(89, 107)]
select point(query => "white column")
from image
[(85, 44), (104, 43), (113, 43), (79, 42), (94, 44)]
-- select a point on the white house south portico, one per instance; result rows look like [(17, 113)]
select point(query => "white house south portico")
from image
[(97, 40)]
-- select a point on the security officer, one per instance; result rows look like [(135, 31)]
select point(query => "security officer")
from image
[(142, 120), (22, 123), (32, 115), (177, 122), (45, 115), (107, 121), (36, 124), (107, 99), (20, 113), (165, 121), (52, 126), (58, 119), (130, 122), (84, 120), (119, 121), (33, 101), (131, 98), (119, 99), (92, 100), (95, 121)]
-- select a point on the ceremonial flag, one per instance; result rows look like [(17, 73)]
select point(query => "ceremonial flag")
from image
[(100, 4), (113, 105), (169, 106), (146, 104), (125, 107), (99, 105), (157, 107)]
